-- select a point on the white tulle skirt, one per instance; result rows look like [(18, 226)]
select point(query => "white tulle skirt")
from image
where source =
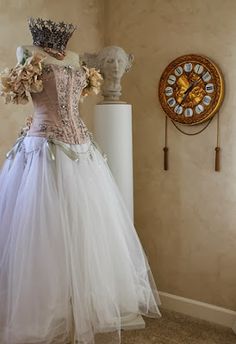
[(71, 263)]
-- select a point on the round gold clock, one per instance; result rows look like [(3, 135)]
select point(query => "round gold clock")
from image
[(191, 89)]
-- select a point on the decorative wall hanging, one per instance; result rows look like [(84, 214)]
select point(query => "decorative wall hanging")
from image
[(191, 91)]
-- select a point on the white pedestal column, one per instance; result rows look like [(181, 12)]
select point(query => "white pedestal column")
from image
[(113, 132)]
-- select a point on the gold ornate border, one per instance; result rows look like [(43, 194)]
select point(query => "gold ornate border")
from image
[(218, 81)]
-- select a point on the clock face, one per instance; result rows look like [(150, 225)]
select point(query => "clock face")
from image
[(191, 89)]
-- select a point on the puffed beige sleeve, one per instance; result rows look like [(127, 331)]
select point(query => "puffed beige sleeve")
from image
[(18, 82)]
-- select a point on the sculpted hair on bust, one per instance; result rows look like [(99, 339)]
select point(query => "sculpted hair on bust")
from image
[(98, 60), (102, 55)]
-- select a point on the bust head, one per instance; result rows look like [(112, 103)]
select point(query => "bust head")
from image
[(113, 62)]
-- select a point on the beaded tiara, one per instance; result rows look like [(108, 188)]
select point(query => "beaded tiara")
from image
[(49, 34)]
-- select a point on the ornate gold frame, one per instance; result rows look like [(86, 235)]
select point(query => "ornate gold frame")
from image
[(217, 80)]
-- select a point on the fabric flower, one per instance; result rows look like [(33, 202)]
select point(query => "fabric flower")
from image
[(94, 81), (25, 129), (17, 83)]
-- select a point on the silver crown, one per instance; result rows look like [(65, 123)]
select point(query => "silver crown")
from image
[(49, 34)]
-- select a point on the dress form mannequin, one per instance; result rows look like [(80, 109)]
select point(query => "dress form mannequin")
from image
[(71, 58), (72, 265)]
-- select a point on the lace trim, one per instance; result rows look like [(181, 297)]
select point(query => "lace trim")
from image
[(63, 132)]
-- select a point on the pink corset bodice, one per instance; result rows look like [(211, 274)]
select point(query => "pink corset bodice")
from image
[(56, 114)]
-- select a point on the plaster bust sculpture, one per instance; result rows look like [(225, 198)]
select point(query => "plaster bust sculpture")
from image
[(113, 62)]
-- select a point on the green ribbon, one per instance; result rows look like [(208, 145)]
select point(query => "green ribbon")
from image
[(63, 146), (97, 146), (12, 153), (75, 156)]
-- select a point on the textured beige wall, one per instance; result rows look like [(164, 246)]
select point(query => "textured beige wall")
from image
[(186, 217), (88, 15)]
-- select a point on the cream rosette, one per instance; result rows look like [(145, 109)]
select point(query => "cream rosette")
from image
[(94, 81), (18, 82)]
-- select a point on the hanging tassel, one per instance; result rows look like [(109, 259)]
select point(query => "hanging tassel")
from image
[(166, 149), (217, 149), (217, 159), (166, 165)]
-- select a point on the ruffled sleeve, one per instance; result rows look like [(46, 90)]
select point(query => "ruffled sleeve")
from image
[(18, 82), (93, 81)]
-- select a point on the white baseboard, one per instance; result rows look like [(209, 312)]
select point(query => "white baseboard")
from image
[(200, 310), (234, 327)]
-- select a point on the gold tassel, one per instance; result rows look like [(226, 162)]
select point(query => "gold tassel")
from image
[(166, 149), (217, 149)]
